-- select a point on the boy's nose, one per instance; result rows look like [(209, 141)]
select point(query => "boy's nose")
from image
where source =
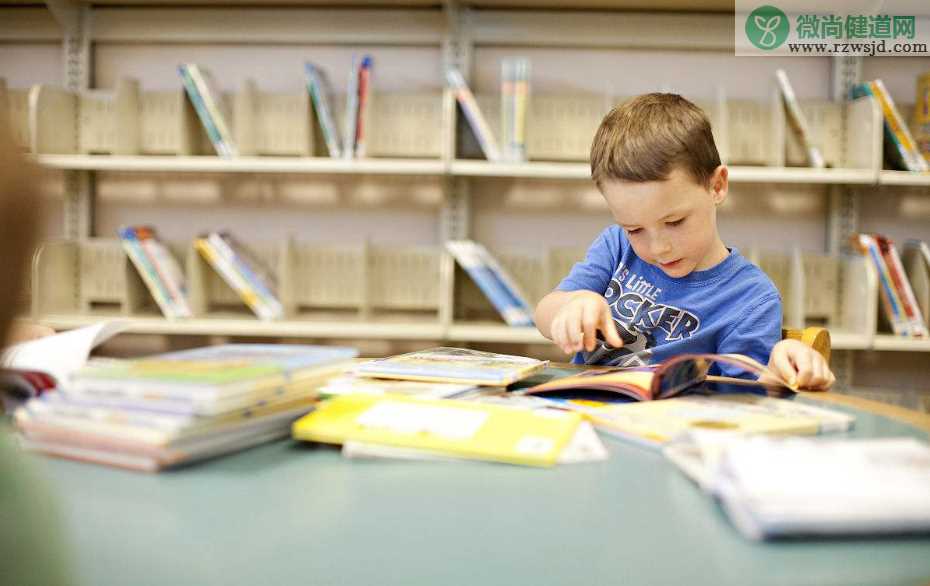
[(660, 246)]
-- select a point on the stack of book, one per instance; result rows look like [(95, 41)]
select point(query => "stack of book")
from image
[(789, 487), (158, 269), (899, 302), (245, 273), (208, 103), (901, 150), (156, 412)]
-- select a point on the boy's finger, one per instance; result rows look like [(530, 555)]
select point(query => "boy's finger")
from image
[(610, 331), (783, 367), (573, 332), (589, 327), (803, 366)]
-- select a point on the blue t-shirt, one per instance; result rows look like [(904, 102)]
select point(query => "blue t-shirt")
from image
[(732, 307)]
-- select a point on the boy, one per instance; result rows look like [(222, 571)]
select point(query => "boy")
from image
[(660, 282)]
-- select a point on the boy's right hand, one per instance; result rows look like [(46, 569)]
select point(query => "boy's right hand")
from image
[(575, 326)]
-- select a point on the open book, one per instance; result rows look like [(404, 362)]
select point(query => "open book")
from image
[(669, 378), (29, 368)]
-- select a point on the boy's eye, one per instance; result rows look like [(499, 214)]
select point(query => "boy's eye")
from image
[(675, 222), (634, 230)]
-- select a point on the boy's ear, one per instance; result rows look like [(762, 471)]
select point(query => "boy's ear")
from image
[(720, 184)]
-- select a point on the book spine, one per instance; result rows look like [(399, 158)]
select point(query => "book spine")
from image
[(202, 113), (903, 287), (166, 267), (799, 120), (211, 99), (351, 114), (507, 135), (242, 266), (364, 89), (233, 279), (887, 293), (319, 92), (921, 116), (896, 130), (150, 277), (473, 114)]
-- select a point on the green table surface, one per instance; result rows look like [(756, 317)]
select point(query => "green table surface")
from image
[(291, 513)]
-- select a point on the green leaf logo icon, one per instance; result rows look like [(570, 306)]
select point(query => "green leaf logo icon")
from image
[(767, 27)]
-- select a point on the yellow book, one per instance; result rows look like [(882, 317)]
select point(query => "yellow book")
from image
[(464, 429)]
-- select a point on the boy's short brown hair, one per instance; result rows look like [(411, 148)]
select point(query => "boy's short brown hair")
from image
[(645, 138)]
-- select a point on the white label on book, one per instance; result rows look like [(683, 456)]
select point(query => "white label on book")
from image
[(406, 418), (534, 444)]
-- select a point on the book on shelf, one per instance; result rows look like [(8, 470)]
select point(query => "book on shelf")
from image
[(914, 317), (921, 116), (321, 95), (31, 368), (798, 121), (476, 120), (364, 98), (892, 307), (900, 147), (515, 74), (461, 429), (916, 259), (240, 269), (359, 81), (209, 106), (784, 487), (160, 411), (159, 270), (454, 365), (493, 280)]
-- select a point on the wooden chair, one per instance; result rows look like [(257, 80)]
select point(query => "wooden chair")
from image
[(816, 338)]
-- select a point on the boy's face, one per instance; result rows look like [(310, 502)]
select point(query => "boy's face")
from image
[(671, 224)]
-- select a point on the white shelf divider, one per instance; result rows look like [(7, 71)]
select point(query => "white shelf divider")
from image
[(211, 164)]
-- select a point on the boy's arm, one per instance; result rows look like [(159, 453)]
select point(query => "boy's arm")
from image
[(547, 309)]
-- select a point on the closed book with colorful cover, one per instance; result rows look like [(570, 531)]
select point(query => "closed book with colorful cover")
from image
[(443, 426), (207, 381), (462, 365)]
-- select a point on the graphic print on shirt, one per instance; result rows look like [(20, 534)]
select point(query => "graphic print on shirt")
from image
[(641, 321)]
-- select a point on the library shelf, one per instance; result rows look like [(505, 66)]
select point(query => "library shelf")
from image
[(532, 169), (753, 174), (900, 343), (211, 164), (840, 340), (904, 178), (494, 332), (413, 329)]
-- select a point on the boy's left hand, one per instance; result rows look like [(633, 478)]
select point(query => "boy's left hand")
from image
[(796, 362)]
